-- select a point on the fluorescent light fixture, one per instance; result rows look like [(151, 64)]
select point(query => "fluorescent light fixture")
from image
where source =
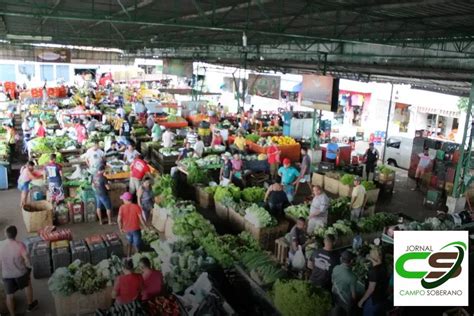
[(89, 48), (29, 37)]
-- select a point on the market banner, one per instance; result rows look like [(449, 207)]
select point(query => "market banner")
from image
[(317, 92), (264, 86), (53, 55), (178, 67)]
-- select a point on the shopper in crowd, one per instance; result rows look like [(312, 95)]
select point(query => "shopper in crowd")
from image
[(125, 129), (273, 156), (27, 132), (344, 284), (374, 299), (239, 143), (101, 186), (129, 220), (128, 287), (297, 237), (94, 157), (237, 175), (152, 280), (288, 175), (81, 132), (54, 174), (199, 147), (226, 169), (118, 123), (130, 153), (318, 211), (424, 165), (184, 153), (120, 111), (371, 157), (323, 262), (16, 270), (168, 138), (156, 132), (11, 138), (191, 136), (224, 130), (332, 151), (150, 121), (358, 199), (40, 131), (146, 198), (27, 174), (305, 170), (276, 199), (216, 139), (91, 124), (115, 149), (138, 170)]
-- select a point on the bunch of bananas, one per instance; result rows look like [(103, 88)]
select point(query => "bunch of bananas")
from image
[(283, 140)]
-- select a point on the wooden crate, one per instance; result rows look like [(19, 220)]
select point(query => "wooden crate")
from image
[(78, 304), (331, 185), (344, 190), (204, 199), (368, 211), (318, 179), (266, 236), (222, 211), (236, 220), (159, 218), (282, 247)]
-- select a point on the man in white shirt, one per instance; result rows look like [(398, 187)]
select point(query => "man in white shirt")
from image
[(94, 158), (191, 137), (167, 139), (130, 154), (318, 212), (199, 147)]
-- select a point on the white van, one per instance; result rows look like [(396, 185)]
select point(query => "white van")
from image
[(398, 152)]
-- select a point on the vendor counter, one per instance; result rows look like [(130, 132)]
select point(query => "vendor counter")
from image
[(344, 153), (120, 176)]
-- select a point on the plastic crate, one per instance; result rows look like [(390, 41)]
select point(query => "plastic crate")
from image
[(41, 260), (114, 247), (76, 212), (30, 241), (97, 249), (90, 210), (60, 254), (80, 251)]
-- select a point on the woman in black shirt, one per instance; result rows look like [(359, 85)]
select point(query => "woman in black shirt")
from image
[(276, 199), (375, 296)]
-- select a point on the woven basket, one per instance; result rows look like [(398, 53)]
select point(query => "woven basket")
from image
[(78, 304), (37, 214)]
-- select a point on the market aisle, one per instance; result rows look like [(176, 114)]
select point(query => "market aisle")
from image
[(11, 215)]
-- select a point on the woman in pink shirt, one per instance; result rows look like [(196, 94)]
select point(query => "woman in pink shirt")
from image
[(216, 139), (237, 170), (152, 280), (81, 132)]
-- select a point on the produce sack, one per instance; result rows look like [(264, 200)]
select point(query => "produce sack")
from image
[(159, 218), (37, 214), (298, 262)]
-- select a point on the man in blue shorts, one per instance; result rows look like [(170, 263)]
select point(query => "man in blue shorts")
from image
[(101, 187)]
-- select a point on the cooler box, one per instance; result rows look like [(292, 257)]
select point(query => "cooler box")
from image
[(113, 244), (30, 241)]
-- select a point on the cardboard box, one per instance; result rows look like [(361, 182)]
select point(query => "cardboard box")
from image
[(345, 190)]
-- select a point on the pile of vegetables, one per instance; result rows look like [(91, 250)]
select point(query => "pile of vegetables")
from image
[(149, 235), (340, 207), (45, 158), (62, 282), (338, 229), (197, 174), (368, 185), (49, 144), (253, 194), (262, 267), (110, 269), (347, 179), (300, 210), (163, 188), (376, 222), (252, 137), (87, 280), (297, 297), (431, 223), (259, 217), (152, 256), (140, 131), (230, 191), (383, 169), (169, 152), (192, 225)]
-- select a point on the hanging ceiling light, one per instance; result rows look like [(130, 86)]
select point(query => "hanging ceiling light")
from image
[(244, 40)]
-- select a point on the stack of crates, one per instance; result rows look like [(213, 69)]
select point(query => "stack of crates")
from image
[(76, 212), (114, 245), (79, 251), (30, 241), (97, 249), (61, 214), (88, 197), (41, 260), (60, 254), (433, 199)]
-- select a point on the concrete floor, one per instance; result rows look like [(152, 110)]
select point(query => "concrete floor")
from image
[(403, 200)]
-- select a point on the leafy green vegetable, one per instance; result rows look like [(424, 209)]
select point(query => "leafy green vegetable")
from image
[(197, 174), (253, 194), (300, 210), (259, 216), (87, 280), (368, 185), (45, 158), (347, 179), (297, 297), (252, 137), (262, 266), (230, 191), (149, 235), (192, 225), (340, 207), (383, 169), (62, 282), (376, 222)]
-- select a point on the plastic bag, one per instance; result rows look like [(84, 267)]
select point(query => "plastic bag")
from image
[(298, 262)]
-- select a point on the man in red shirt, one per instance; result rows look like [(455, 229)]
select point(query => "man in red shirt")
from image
[(273, 156), (152, 280), (138, 169), (128, 286), (129, 219)]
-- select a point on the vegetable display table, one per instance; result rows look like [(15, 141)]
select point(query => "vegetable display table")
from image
[(124, 175), (176, 124), (291, 152)]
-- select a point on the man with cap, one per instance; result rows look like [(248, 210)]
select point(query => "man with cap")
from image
[(289, 176), (344, 284), (129, 220), (358, 199), (226, 169), (371, 157)]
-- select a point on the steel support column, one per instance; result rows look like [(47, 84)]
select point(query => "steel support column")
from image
[(388, 122)]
